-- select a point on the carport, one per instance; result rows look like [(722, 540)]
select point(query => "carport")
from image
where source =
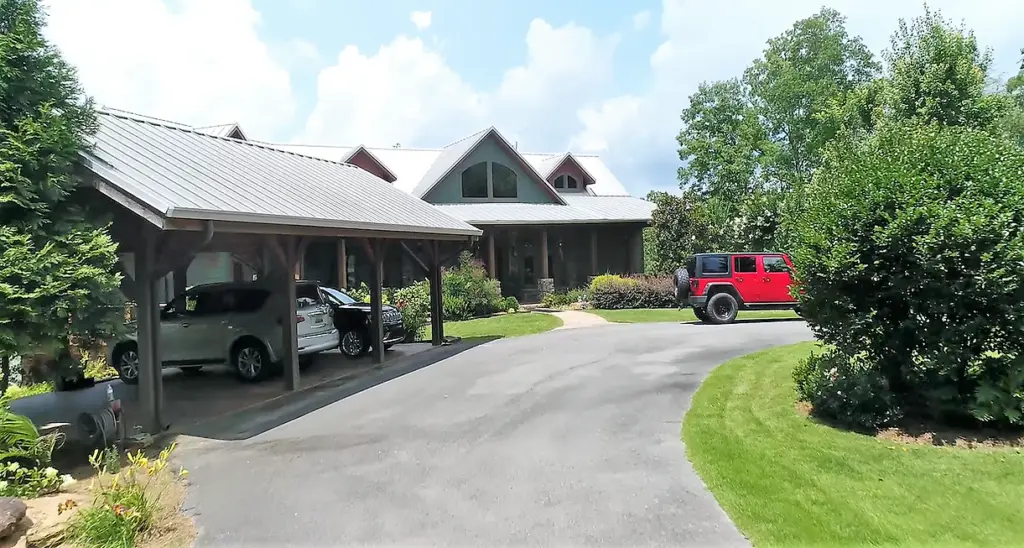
[(173, 191)]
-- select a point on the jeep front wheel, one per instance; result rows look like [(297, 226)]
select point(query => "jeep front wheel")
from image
[(722, 308)]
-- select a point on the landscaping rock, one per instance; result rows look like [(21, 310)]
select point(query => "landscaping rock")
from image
[(12, 511), (48, 523)]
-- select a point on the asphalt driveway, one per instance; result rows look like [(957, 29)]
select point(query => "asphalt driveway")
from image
[(571, 437)]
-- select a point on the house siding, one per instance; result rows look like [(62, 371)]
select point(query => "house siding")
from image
[(363, 161), (449, 190)]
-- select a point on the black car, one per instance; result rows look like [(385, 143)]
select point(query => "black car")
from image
[(352, 318)]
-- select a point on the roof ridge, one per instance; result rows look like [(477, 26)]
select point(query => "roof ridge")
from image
[(195, 131), (141, 117), (474, 134)]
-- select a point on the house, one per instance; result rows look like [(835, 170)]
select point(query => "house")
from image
[(548, 220)]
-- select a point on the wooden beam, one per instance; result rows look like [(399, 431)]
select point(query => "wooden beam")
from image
[(342, 264), (228, 227), (415, 256), (376, 300)]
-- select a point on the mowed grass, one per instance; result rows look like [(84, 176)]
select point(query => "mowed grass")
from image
[(788, 481), (505, 325), (648, 315)]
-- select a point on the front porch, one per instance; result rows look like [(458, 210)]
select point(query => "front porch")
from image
[(528, 260)]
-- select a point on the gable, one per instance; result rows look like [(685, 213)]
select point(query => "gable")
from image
[(366, 162), (489, 151)]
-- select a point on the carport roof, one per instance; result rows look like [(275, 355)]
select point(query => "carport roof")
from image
[(171, 172)]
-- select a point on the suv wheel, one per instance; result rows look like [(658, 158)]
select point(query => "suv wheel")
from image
[(701, 314), (250, 361), (126, 361), (722, 308), (353, 343)]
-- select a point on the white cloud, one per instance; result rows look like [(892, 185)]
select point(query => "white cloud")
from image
[(407, 93), (202, 63), (708, 41), (641, 20), (421, 19)]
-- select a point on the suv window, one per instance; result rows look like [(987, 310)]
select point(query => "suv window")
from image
[(744, 265), (714, 264), (306, 295), (775, 264), (691, 266), (247, 301)]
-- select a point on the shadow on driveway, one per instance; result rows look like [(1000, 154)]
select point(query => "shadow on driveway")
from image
[(261, 417), (742, 321)]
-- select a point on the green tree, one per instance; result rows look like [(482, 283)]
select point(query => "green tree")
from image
[(907, 263), (722, 141), (680, 226), (938, 73), (800, 76), (57, 261)]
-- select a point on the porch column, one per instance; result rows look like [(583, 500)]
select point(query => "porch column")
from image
[(180, 279), (636, 252), (288, 250), (543, 253), (593, 251), (342, 265), (492, 270), (436, 306), (375, 251), (148, 316)]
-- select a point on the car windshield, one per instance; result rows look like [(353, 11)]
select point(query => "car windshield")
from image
[(337, 295)]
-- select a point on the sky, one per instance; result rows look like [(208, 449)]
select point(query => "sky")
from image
[(606, 78)]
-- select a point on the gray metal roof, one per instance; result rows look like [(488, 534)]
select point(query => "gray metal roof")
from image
[(579, 209), (187, 174)]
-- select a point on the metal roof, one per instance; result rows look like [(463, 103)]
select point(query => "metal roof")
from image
[(410, 165), (579, 209), (183, 173)]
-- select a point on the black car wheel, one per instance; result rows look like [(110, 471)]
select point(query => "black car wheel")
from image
[(250, 360), (722, 308), (701, 314), (354, 343), (126, 361)]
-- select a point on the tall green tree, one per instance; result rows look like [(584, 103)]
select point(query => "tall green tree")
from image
[(57, 261), (801, 74), (938, 73)]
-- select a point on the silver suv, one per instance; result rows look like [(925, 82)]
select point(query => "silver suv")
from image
[(231, 323)]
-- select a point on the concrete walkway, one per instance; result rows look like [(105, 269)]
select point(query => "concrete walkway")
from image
[(571, 319)]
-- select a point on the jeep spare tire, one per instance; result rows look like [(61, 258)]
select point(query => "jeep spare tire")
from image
[(722, 308)]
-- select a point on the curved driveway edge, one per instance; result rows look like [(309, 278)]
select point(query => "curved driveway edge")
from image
[(570, 437)]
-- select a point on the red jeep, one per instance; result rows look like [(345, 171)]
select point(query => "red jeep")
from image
[(722, 284)]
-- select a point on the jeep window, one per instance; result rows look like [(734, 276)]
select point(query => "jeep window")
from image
[(340, 297), (691, 266), (744, 265), (775, 264), (711, 265)]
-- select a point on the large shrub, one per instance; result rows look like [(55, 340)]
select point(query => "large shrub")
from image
[(909, 255), (612, 292), (414, 304), (468, 290), (848, 391)]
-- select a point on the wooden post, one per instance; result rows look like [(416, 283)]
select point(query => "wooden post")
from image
[(593, 252), (436, 294), (148, 317), (491, 265), (544, 253), (376, 254), (342, 265), (288, 249)]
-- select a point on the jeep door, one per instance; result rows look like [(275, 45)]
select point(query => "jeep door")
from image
[(776, 279), (745, 278)]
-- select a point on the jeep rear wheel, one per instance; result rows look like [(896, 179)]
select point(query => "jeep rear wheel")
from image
[(722, 308)]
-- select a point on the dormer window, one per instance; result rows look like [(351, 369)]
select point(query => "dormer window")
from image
[(566, 182)]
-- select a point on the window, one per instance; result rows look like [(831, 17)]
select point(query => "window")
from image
[(339, 297), (714, 264), (247, 301), (775, 264), (504, 180), (306, 295), (744, 265), (474, 181), (567, 182)]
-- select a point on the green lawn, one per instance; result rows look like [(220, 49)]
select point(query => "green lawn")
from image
[(788, 481), (646, 315), (506, 325)]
